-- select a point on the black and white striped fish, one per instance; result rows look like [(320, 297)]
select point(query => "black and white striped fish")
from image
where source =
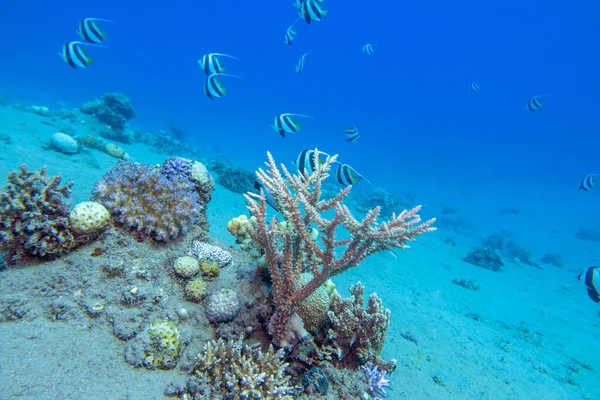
[(268, 195), (534, 103), (591, 278), (588, 182), (300, 65), (352, 134), (90, 31), (474, 87), (75, 56), (290, 34), (346, 175), (211, 64), (310, 10), (308, 161), (368, 49), (285, 124), (213, 88)]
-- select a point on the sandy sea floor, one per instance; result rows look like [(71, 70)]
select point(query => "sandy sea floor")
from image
[(525, 333)]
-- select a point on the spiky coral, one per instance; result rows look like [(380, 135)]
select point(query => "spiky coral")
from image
[(140, 197), (34, 216), (298, 198), (230, 370), (357, 333)]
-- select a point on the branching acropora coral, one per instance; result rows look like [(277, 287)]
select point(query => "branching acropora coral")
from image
[(34, 216), (140, 197), (230, 370), (298, 198)]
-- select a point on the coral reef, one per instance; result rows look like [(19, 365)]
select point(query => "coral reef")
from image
[(231, 370), (140, 197), (298, 198), (313, 310), (208, 253), (34, 216), (553, 259), (64, 143), (377, 381), (237, 180), (210, 269), (195, 289), (89, 218), (114, 110), (485, 258), (358, 333), (156, 347), (222, 306), (238, 227), (186, 266)]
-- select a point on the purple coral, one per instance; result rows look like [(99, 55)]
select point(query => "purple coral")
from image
[(140, 197), (176, 167), (376, 380)]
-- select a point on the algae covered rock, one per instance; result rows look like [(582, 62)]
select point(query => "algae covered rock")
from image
[(89, 217)]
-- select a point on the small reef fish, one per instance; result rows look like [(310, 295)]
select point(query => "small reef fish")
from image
[(285, 124), (534, 103), (290, 34), (352, 134), (213, 87), (310, 10), (75, 56), (346, 175), (307, 161), (368, 49), (591, 279), (90, 31), (474, 87), (211, 64), (300, 65), (268, 196), (588, 182)]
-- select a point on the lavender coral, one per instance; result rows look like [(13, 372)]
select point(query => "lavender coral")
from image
[(298, 198), (377, 381), (34, 216), (140, 197)]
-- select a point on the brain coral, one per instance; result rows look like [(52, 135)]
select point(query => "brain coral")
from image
[(140, 197), (313, 310), (222, 306), (34, 216), (89, 217)]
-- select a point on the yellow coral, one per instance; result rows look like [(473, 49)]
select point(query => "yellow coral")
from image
[(89, 217), (165, 345), (186, 266), (195, 289), (210, 269), (116, 152)]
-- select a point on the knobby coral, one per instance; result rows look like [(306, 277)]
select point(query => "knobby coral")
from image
[(298, 198), (34, 216), (230, 370), (140, 197)]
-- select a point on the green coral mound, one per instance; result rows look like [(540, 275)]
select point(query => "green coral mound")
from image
[(34, 216)]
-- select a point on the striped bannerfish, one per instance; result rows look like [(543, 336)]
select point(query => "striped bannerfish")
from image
[(213, 87), (474, 87), (75, 56), (90, 31), (352, 134), (346, 175), (290, 34), (368, 49), (308, 161), (300, 65), (588, 182), (286, 124), (534, 103), (268, 195), (310, 10), (211, 64)]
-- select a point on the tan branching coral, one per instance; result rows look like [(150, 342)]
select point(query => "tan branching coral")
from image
[(34, 216), (231, 370), (298, 198), (357, 333)]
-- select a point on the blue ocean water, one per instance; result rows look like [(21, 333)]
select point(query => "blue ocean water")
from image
[(410, 98)]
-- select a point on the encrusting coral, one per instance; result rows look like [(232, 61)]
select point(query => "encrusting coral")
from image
[(140, 197), (34, 216), (298, 198), (230, 370)]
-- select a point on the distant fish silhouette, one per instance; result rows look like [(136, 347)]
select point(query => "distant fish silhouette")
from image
[(290, 34), (90, 31), (369, 48), (588, 182), (300, 65), (535, 103), (352, 134), (475, 86)]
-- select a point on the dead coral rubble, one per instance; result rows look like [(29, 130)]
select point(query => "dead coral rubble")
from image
[(34, 216)]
